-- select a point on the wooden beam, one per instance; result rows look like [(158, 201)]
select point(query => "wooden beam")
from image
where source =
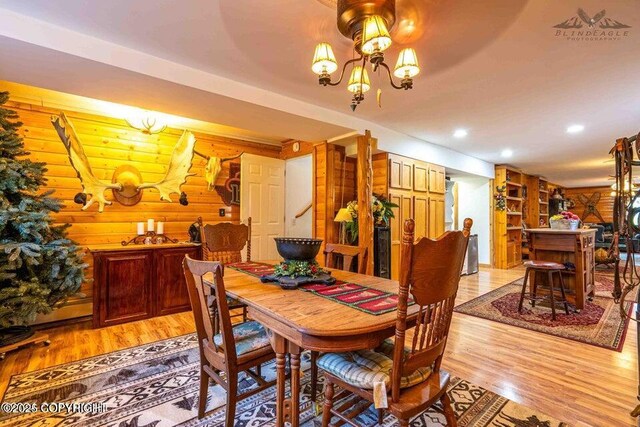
[(365, 145)]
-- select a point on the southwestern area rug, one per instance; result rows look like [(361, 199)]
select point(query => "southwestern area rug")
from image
[(156, 385), (599, 323)]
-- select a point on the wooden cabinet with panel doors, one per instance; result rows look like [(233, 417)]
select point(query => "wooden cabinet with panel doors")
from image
[(418, 189), (139, 282)]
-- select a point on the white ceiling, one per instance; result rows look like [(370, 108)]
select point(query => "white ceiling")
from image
[(493, 67)]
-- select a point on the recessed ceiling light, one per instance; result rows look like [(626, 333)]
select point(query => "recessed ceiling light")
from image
[(460, 133), (506, 153), (575, 128)]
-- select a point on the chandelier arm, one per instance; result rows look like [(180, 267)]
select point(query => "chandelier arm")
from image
[(390, 78), (351, 61)]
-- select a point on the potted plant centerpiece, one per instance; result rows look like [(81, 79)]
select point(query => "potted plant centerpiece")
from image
[(382, 210)]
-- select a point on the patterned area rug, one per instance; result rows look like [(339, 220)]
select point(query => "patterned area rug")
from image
[(599, 323), (604, 283), (156, 385)]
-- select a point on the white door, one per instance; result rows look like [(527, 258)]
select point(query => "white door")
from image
[(262, 199), (298, 196)]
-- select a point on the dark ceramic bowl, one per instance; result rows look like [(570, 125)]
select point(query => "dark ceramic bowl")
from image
[(298, 248)]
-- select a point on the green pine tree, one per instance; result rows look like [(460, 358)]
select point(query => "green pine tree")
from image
[(39, 266)]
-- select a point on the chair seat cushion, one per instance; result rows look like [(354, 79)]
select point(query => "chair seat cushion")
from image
[(249, 336), (363, 368)]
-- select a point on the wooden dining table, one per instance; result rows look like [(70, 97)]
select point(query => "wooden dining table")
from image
[(298, 320)]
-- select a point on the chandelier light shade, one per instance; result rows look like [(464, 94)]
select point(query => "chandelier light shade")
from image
[(367, 23), (359, 81), (375, 36), (407, 66), (324, 61)]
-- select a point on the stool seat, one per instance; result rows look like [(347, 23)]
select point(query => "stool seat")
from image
[(549, 268), (544, 265)]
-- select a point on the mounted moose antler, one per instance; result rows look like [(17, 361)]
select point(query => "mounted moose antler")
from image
[(176, 175), (90, 184), (179, 166)]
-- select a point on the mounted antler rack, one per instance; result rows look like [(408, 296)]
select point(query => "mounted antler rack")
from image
[(214, 166), (149, 238)]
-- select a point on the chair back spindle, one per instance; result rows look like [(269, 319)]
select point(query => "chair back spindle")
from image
[(430, 273)]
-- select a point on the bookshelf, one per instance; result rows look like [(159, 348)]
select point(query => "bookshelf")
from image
[(537, 202), (508, 222)]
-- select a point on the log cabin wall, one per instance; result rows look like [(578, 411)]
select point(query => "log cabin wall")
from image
[(604, 205), (329, 167), (381, 173), (109, 143), (288, 152)]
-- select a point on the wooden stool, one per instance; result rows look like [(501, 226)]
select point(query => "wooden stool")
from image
[(550, 268)]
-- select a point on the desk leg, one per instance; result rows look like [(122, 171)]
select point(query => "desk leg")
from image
[(294, 351)]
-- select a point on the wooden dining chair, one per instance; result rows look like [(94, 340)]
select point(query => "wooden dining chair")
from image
[(346, 257), (408, 365), (224, 243), (237, 348)]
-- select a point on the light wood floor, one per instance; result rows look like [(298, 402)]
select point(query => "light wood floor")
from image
[(578, 383)]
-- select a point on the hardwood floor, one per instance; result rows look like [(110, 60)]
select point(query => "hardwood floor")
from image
[(578, 383)]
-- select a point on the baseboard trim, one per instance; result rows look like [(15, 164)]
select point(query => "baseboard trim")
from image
[(66, 312)]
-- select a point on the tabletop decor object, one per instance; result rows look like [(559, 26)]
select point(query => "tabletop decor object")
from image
[(153, 235), (360, 297), (299, 265), (298, 248), (381, 209), (565, 220)]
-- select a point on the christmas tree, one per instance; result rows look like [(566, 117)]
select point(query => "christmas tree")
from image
[(39, 266)]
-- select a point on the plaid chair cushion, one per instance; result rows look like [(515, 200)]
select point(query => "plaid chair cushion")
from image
[(249, 336), (365, 367)]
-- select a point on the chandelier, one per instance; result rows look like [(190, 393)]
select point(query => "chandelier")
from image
[(367, 23)]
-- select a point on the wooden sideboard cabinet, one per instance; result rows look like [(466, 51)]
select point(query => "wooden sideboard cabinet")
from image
[(139, 282)]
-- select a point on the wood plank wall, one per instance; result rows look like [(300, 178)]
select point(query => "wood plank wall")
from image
[(110, 143), (328, 171), (605, 205), (381, 173)]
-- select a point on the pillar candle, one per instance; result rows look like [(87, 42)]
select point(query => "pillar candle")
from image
[(160, 227), (149, 225), (140, 228)]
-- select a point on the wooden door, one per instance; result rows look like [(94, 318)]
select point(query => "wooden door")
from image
[(172, 295), (436, 217), (395, 172), (402, 213), (420, 177), (123, 287), (436, 179), (262, 199), (406, 182), (396, 234), (421, 216)]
